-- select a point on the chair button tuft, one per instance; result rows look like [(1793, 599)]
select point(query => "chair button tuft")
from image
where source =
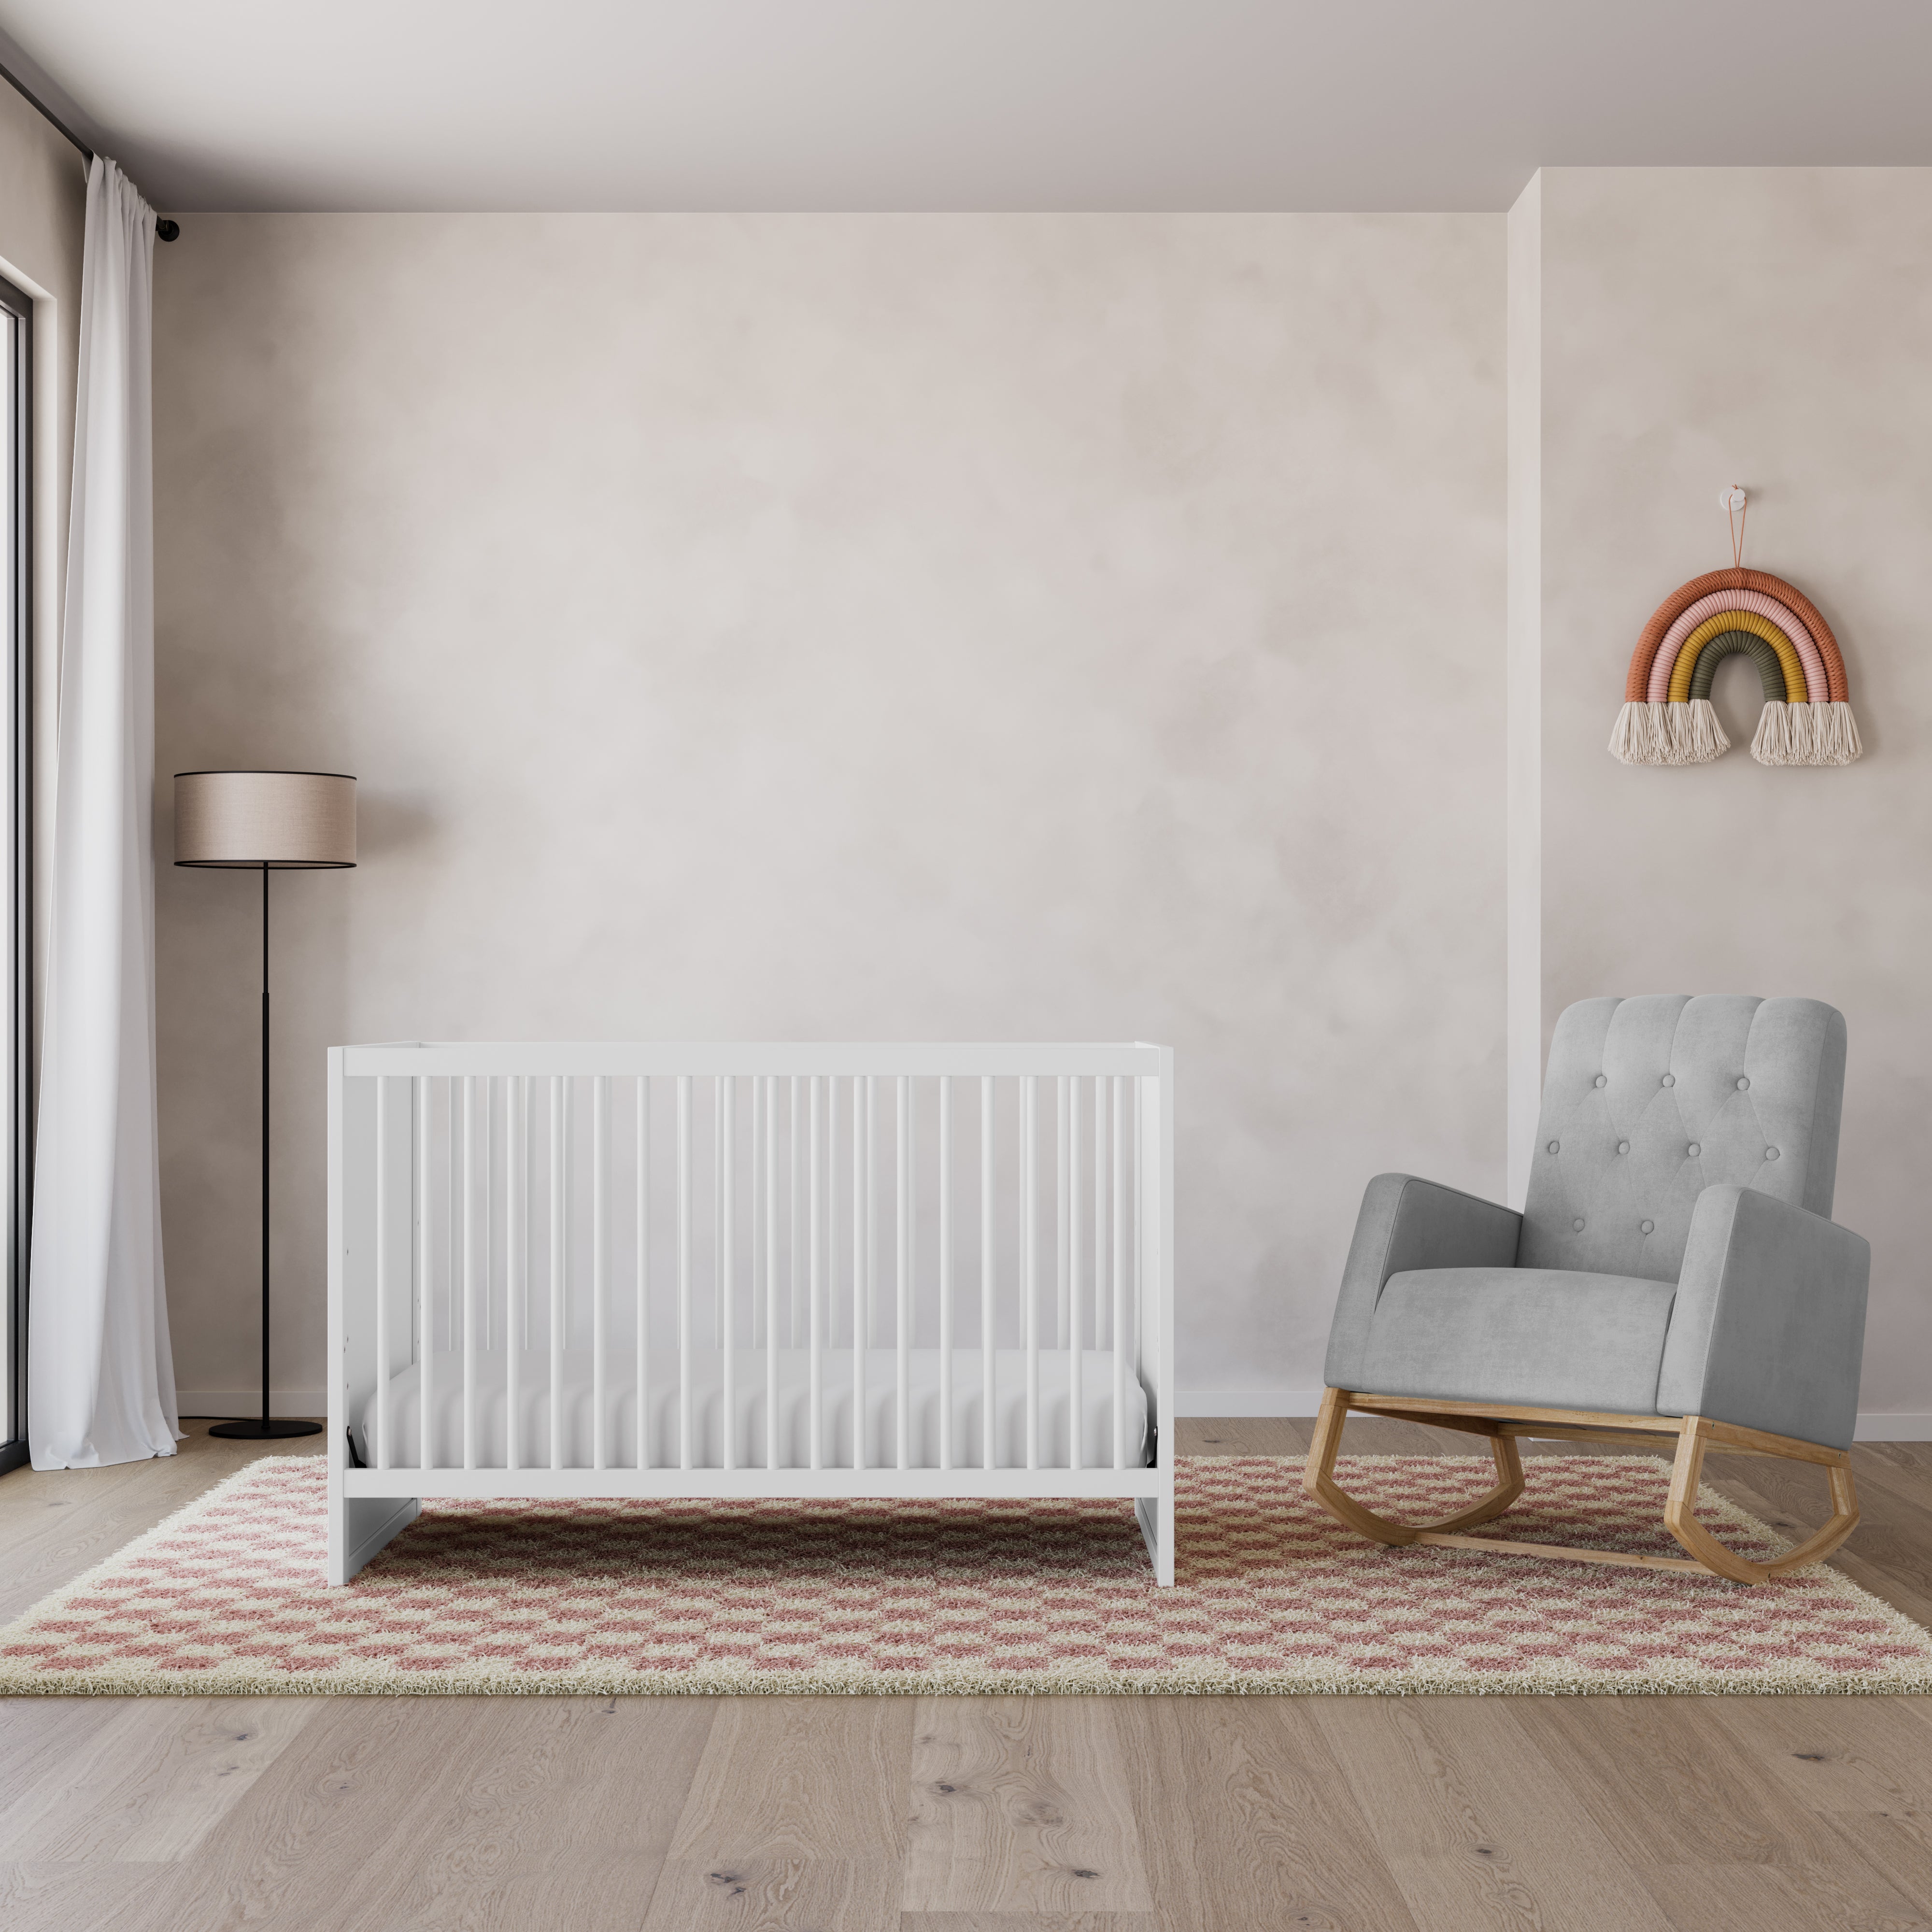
[(1554, 1145), (1771, 1153), (1694, 1150), (1578, 1224), (1670, 1080), (1742, 1083), (1623, 1147), (1646, 1227), (1600, 1080)]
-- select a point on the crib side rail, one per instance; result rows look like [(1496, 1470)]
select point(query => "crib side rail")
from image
[(630, 1058), (701, 1223)]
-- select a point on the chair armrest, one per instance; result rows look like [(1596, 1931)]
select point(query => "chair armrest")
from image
[(1409, 1223), (1769, 1328)]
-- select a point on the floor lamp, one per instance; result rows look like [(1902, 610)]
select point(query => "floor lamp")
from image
[(266, 822)]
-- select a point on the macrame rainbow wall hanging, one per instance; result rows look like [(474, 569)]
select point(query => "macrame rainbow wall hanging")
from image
[(1667, 718)]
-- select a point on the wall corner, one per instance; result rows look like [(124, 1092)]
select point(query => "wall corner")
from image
[(1523, 844)]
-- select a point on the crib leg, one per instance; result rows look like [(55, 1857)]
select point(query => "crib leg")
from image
[(359, 1526), (1156, 1520)]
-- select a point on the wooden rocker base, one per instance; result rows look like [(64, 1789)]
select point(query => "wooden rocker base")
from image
[(1503, 1423)]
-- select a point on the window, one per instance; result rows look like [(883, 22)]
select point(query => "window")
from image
[(16, 331)]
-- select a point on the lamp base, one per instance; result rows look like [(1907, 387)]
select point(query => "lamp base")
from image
[(256, 1430)]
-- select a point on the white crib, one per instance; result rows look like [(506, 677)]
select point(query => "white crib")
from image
[(745, 1270)]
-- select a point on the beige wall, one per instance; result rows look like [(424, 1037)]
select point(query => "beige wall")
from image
[(827, 628), (1770, 327)]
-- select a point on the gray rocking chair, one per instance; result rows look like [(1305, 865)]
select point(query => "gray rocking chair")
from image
[(1674, 1274)]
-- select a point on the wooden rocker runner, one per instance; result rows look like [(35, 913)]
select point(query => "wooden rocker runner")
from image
[(1695, 1434), (1674, 1275)]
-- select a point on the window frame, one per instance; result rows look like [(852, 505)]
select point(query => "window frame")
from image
[(18, 374)]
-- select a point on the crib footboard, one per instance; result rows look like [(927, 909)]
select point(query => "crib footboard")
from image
[(679, 1271)]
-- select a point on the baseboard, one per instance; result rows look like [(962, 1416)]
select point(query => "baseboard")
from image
[(1301, 1402), (1901, 1425), (239, 1405), (1895, 1425)]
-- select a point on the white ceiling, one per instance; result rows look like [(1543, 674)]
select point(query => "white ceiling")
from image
[(993, 104)]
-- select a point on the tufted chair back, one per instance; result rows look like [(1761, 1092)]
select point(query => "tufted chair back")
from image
[(1648, 1101)]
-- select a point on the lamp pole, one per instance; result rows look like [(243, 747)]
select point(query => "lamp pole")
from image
[(269, 1429), (265, 821)]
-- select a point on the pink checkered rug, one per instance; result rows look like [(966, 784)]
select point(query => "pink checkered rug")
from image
[(712, 1597)]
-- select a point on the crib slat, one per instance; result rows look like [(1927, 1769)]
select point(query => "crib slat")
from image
[(643, 1205), (1062, 1284), (726, 1264), (383, 1370), (1117, 1126), (1030, 1255), (1100, 1211), (902, 1278), (794, 1200), (684, 1270), (1143, 1208), (987, 1447), (945, 1271), (516, 1262), (600, 1260), (452, 1207), (559, 1255), (754, 1212), (488, 1191), (425, 1275), (861, 1284), (812, 1232), (771, 1086), (1076, 1380), (470, 1318), (717, 1208)]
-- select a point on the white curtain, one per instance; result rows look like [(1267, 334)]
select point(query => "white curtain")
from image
[(101, 1385)]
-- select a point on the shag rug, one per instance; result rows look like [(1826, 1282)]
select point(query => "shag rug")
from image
[(715, 1597)]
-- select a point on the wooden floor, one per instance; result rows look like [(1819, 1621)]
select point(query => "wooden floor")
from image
[(863, 1814)]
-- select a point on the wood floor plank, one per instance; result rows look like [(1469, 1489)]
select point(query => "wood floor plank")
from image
[(152, 1783), (1898, 1850), (1665, 1782), (1474, 1823), (1232, 1435), (785, 1779), (1021, 1804), (1780, 1898), (328, 1819), (96, 1895), (1835, 1754), (38, 1735), (1246, 1821), (539, 1779), (432, 1812), (1042, 1922), (778, 1894)]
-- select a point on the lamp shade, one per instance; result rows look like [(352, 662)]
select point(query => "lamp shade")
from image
[(288, 821)]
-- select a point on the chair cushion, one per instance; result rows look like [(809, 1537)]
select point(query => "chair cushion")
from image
[(1546, 1337)]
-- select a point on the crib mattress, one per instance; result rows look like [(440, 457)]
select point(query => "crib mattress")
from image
[(490, 1449)]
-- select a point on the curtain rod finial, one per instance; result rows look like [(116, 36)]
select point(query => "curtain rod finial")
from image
[(166, 230)]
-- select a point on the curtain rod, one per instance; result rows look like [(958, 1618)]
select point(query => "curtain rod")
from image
[(164, 230)]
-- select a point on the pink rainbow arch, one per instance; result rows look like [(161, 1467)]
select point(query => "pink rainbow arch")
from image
[(1816, 684)]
